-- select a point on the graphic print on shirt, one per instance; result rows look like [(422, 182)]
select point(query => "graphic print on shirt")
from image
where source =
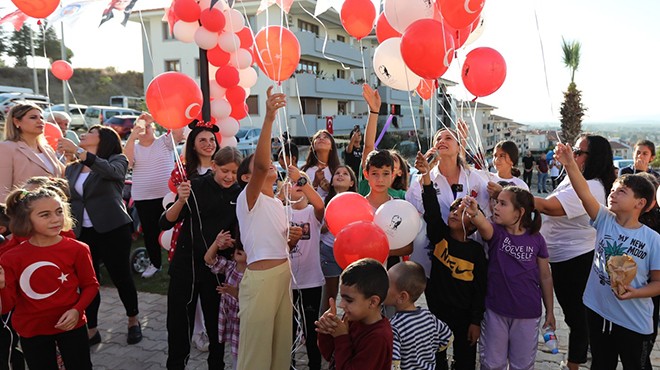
[(26, 275), (608, 247), (519, 252), (460, 268)]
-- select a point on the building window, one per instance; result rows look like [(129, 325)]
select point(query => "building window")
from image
[(167, 35), (341, 38), (395, 109), (311, 106), (307, 66), (253, 104), (173, 65), (197, 67), (341, 73), (308, 27), (341, 107)]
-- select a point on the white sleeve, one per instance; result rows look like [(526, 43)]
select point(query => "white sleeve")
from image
[(571, 202), (414, 194)]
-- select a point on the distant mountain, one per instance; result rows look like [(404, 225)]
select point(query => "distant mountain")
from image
[(599, 125)]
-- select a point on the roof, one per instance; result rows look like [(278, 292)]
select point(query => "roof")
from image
[(618, 145), (472, 104)]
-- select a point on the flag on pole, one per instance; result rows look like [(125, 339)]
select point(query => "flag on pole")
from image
[(17, 18)]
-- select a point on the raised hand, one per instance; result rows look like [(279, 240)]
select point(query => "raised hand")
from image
[(326, 324), (225, 288), (371, 97), (274, 102), (564, 155)]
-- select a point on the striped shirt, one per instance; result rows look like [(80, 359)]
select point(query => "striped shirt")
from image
[(418, 335), (152, 166)]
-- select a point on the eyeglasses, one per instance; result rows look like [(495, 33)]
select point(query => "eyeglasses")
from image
[(578, 152)]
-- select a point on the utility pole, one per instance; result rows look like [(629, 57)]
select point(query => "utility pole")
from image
[(34, 63), (65, 92)]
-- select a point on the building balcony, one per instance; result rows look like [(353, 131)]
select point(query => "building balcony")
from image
[(308, 124), (309, 85), (312, 45), (392, 96)]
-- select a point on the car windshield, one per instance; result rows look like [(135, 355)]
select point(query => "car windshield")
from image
[(241, 133)]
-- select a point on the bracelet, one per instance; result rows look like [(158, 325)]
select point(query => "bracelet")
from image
[(372, 112)]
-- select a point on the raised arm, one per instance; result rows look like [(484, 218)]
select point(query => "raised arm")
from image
[(484, 226), (372, 98), (312, 196), (564, 154)]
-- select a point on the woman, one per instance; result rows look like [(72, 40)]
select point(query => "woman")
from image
[(201, 146), (571, 239), (322, 161), (96, 181), (353, 152), (24, 153)]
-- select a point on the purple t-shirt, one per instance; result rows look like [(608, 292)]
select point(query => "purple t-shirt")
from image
[(514, 285)]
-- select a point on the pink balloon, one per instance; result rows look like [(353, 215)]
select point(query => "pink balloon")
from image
[(484, 71), (62, 70)]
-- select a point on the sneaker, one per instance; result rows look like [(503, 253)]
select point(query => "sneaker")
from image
[(201, 341), (150, 271)]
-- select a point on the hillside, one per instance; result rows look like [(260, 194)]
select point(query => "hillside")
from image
[(90, 86)]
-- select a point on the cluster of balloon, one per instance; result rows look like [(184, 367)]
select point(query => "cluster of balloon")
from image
[(222, 32), (174, 99), (62, 70), (37, 9)]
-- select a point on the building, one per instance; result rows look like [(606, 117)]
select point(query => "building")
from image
[(620, 149)]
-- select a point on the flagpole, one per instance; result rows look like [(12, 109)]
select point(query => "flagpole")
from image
[(65, 92), (34, 64)]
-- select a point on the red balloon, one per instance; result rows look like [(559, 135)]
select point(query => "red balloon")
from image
[(484, 71), (37, 9), (361, 239), (425, 89), (278, 52), (218, 57), (235, 96), (246, 37), (62, 70), (227, 77), (52, 133), (427, 49), (171, 186), (212, 19), (460, 14), (187, 10), (458, 36), (173, 99), (345, 208), (239, 111), (384, 30), (357, 17)]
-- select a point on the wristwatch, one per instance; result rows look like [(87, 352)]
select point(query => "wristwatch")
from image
[(302, 181), (79, 151)]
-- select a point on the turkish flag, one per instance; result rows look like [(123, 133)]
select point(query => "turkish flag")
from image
[(329, 125)]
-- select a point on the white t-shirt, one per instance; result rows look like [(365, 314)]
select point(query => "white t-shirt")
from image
[(515, 181), (152, 167), (311, 173), (44, 158), (263, 228), (86, 221), (571, 235), (641, 245), (554, 170), (305, 256)]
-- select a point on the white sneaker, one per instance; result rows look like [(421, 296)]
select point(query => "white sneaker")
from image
[(201, 341), (150, 271)]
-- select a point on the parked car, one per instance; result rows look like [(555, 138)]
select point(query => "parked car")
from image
[(7, 100), (123, 124), (98, 114), (76, 111), (247, 140), (622, 163)]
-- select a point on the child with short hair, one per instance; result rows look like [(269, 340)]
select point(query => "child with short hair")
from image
[(620, 318), (56, 315), (644, 155), (418, 335), (362, 338)]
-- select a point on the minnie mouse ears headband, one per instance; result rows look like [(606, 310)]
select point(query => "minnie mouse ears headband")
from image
[(204, 125)]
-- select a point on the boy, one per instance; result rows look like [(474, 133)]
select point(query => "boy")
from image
[(362, 339), (619, 317), (644, 154), (418, 334)]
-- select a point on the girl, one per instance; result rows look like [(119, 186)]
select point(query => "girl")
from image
[(505, 159), (228, 322), (322, 161), (207, 206), (401, 172), (518, 278), (343, 179), (67, 285)]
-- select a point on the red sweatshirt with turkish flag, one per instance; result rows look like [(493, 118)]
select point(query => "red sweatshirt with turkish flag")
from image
[(42, 283)]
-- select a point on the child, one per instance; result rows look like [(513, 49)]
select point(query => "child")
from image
[(228, 323), (644, 154), (306, 210), (418, 334), (322, 161), (554, 173), (67, 286), (343, 179), (620, 319), (457, 284), (505, 159), (362, 339), (401, 174), (518, 277)]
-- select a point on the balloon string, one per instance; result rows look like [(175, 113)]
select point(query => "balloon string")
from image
[(146, 38), (364, 68), (68, 85), (325, 37), (545, 70)]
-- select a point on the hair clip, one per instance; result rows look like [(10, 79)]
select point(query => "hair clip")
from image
[(23, 194)]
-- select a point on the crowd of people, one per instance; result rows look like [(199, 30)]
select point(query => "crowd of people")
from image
[(252, 264)]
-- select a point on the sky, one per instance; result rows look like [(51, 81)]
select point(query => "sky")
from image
[(618, 74)]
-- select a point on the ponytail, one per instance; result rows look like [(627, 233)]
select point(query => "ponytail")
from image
[(536, 222), (515, 172)]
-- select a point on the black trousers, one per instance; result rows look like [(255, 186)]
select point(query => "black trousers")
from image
[(465, 354), (181, 303), (527, 177), (74, 348), (10, 353), (149, 212), (113, 249), (569, 279), (609, 342), (309, 307)]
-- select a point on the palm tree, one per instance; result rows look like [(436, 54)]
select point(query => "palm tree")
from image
[(572, 109)]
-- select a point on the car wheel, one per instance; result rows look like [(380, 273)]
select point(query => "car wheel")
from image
[(140, 260)]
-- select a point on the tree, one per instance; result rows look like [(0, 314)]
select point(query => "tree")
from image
[(19, 46), (48, 37), (572, 109)]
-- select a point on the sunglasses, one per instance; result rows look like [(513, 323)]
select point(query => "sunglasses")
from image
[(578, 152)]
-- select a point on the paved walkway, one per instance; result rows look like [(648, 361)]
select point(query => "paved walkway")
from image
[(151, 353)]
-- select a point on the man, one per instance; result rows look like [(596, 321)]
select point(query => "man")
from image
[(528, 162)]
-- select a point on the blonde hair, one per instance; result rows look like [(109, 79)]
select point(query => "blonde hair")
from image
[(18, 111), (19, 208)]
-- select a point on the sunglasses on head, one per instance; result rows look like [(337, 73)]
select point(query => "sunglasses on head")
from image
[(578, 152)]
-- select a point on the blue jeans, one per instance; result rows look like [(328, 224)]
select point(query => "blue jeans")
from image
[(543, 177)]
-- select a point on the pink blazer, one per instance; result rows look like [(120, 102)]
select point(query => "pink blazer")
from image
[(18, 163)]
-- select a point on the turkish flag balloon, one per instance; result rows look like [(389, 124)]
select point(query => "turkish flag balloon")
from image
[(484, 71), (384, 29), (425, 89), (427, 49), (62, 69), (173, 99), (357, 17), (278, 52), (52, 133), (345, 208), (460, 13), (37, 8), (361, 239)]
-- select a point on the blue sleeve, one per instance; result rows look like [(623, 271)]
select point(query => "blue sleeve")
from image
[(603, 217)]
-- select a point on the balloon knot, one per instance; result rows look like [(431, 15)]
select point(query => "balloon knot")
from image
[(475, 99)]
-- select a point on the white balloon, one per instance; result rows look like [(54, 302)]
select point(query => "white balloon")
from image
[(402, 13), (476, 33), (235, 21), (206, 39), (390, 67), (400, 221), (247, 77), (220, 109), (240, 59), (217, 91), (165, 239), (169, 198), (229, 141), (247, 91), (212, 70), (220, 5), (185, 31), (228, 126), (229, 42)]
